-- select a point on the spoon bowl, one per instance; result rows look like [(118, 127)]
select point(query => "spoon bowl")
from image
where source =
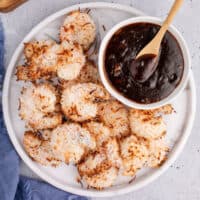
[(142, 68)]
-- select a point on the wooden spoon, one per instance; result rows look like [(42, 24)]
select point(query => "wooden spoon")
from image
[(149, 55), (9, 5)]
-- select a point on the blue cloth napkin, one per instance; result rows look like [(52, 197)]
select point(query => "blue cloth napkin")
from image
[(12, 185)]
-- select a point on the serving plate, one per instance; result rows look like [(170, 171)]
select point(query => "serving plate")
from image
[(106, 15)]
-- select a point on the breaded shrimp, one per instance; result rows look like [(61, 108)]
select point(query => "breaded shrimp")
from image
[(99, 130), (134, 154), (137, 152), (145, 123), (71, 61), (158, 150), (70, 142), (104, 178), (38, 106), (47, 59), (41, 60), (39, 149), (79, 101), (114, 115), (149, 123), (100, 169), (35, 48), (111, 148), (88, 73), (78, 27)]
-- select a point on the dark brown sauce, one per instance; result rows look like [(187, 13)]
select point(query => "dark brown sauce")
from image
[(123, 48)]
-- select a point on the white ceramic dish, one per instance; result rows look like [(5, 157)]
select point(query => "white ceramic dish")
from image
[(118, 95), (64, 177)]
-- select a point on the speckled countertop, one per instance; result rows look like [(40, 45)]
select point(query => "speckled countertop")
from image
[(182, 179)]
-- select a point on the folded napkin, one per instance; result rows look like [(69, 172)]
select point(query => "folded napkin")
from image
[(12, 185)]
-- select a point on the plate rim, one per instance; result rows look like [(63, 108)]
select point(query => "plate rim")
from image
[(11, 132)]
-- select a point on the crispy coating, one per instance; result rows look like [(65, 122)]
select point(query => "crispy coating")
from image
[(114, 115), (102, 179), (134, 154), (89, 73), (46, 134), (158, 150), (79, 102), (166, 110), (33, 49), (145, 123), (100, 169), (39, 149), (137, 152), (99, 130), (46, 59), (71, 61), (41, 60), (38, 106), (70, 142), (111, 148), (78, 27), (23, 73)]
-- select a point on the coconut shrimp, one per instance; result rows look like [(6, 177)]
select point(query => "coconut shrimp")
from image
[(71, 62), (99, 130), (41, 60), (134, 154), (158, 150), (70, 142), (137, 152), (114, 115), (89, 73), (38, 106), (39, 149), (79, 102), (147, 124), (46, 59), (79, 28), (100, 169)]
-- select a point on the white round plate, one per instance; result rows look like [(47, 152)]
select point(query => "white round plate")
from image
[(179, 124)]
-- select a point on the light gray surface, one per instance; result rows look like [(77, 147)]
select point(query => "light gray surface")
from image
[(182, 180)]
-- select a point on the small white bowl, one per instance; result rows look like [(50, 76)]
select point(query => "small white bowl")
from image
[(108, 85)]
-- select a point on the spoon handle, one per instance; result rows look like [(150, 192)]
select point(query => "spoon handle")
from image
[(9, 5), (177, 4)]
